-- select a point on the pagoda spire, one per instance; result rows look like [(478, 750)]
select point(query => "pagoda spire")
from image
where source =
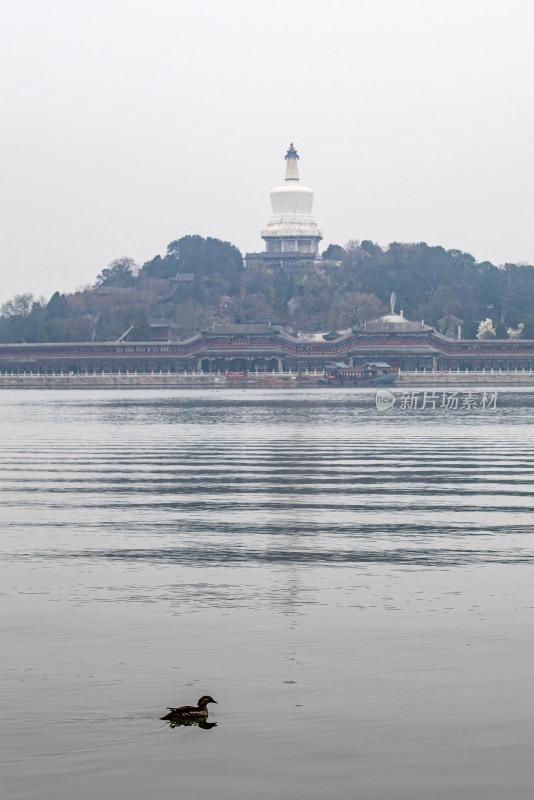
[(292, 169)]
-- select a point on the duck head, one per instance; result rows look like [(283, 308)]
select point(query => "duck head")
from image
[(204, 700)]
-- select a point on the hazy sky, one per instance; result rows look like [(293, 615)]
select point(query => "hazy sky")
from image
[(129, 123)]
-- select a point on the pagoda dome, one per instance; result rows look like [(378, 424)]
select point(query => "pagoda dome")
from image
[(292, 199), (394, 323)]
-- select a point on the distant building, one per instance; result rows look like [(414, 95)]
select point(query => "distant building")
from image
[(450, 326), (394, 323), (291, 235), (402, 343), (183, 278)]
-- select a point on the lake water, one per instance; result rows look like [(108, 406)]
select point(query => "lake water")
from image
[(354, 588)]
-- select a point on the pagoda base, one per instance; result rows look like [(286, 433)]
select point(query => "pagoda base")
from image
[(287, 260)]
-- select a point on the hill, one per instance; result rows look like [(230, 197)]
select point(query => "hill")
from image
[(199, 281)]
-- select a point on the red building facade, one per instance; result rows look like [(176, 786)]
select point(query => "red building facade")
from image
[(270, 348)]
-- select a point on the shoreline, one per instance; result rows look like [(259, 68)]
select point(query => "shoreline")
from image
[(199, 381)]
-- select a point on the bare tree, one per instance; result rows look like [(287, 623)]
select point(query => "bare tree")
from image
[(19, 306)]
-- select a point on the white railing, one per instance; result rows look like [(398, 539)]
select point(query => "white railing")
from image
[(437, 372), (257, 373)]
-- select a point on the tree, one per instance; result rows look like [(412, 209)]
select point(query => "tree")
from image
[(486, 329), (334, 252), (353, 309), (121, 272), (517, 292), (516, 333), (57, 306), (284, 287), (19, 306), (199, 255)]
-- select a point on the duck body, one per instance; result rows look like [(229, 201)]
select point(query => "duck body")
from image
[(198, 712)]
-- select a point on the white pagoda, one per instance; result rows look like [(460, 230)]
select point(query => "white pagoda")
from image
[(291, 235)]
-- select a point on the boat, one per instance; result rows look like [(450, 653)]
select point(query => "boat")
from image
[(372, 373)]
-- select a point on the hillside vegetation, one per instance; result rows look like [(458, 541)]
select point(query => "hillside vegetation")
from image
[(200, 281)]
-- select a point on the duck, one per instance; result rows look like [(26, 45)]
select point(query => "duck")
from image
[(200, 711)]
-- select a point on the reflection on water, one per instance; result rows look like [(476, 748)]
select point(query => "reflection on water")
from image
[(355, 585), (191, 723)]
